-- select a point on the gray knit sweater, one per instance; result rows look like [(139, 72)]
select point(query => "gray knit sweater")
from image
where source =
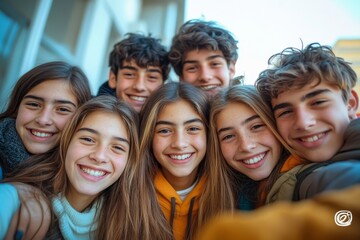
[(12, 150)]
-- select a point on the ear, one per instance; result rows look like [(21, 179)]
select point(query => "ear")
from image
[(232, 69), (353, 104), (112, 80)]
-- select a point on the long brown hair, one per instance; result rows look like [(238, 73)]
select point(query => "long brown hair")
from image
[(231, 179), (47, 171), (60, 71), (157, 226)]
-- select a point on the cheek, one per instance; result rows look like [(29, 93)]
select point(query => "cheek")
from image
[(122, 84), (62, 121), (120, 165), (153, 86), (24, 116), (157, 146), (189, 77), (270, 140), (200, 143)]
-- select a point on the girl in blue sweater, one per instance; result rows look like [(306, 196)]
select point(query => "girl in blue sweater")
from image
[(87, 178)]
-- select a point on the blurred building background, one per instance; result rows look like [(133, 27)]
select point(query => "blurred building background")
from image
[(83, 32), (349, 49)]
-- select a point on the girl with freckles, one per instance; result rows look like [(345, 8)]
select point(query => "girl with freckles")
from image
[(174, 162), (245, 146), (88, 178)]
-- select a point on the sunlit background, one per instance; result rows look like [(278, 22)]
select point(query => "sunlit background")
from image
[(265, 27), (83, 32)]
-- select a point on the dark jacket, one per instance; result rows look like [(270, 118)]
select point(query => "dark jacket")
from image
[(342, 171), (307, 180), (105, 89)]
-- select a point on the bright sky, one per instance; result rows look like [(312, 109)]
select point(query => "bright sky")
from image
[(266, 27)]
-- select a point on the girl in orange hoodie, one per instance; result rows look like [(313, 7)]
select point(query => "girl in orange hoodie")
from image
[(174, 166)]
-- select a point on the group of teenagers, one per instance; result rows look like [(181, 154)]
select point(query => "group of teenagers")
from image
[(202, 157)]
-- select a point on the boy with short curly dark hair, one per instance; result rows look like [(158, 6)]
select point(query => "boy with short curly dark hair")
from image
[(139, 65), (204, 54)]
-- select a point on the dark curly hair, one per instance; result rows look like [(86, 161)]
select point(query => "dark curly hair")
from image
[(145, 50), (294, 68), (199, 34)]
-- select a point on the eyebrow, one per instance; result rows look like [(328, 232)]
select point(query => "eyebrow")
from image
[(173, 124), (208, 58), (129, 67), (247, 120), (302, 99), (55, 101), (97, 133), (152, 69)]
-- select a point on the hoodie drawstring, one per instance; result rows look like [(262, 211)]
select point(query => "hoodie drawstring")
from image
[(188, 224), (172, 213)]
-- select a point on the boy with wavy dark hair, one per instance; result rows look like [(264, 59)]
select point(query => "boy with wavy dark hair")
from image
[(139, 65), (204, 54), (311, 92)]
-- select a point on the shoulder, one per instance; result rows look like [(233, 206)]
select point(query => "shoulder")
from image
[(334, 176)]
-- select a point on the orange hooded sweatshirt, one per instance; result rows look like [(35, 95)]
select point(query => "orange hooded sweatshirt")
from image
[(180, 214)]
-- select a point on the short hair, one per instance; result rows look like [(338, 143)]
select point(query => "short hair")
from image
[(199, 34), (295, 68), (145, 50)]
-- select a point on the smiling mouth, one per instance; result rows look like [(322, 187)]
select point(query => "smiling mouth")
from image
[(209, 87), (180, 156), (92, 172), (137, 98), (313, 138), (41, 134), (255, 159)]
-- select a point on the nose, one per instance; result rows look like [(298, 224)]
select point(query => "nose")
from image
[(99, 154), (45, 117), (180, 141), (205, 74), (139, 84), (304, 119), (246, 143)]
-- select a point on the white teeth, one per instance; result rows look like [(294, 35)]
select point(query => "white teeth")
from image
[(254, 159), (180, 157), (40, 134), (137, 98), (208, 87), (92, 172), (313, 138)]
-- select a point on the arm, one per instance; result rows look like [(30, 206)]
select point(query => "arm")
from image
[(9, 204), (33, 218), (309, 219)]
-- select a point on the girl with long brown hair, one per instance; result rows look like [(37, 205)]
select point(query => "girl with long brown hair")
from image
[(87, 178)]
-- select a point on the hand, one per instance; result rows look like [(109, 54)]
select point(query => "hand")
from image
[(33, 218)]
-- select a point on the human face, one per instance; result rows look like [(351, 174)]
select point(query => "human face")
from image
[(207, 70), (246, 143), (96, 157), (43, 113), (135, 84), (312, 120), (179, 143)]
